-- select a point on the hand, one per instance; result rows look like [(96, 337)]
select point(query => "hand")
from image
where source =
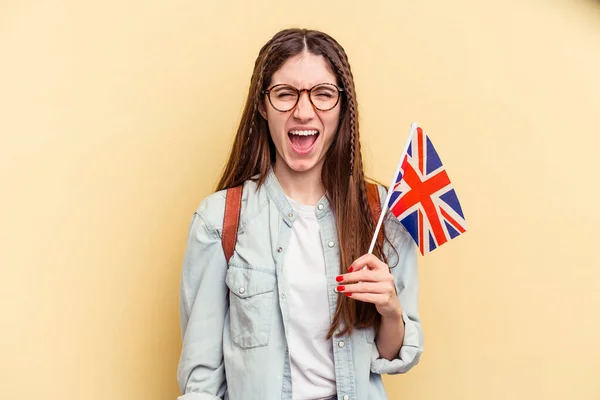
[(374, 284)]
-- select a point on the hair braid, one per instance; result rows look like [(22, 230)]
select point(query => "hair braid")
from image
[(348, 82)]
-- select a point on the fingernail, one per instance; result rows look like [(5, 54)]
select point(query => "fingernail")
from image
[(339, 278), (350, 269), (341, 288), (348, 294)]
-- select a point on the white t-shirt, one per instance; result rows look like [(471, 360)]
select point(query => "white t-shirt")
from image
[(311, 354)]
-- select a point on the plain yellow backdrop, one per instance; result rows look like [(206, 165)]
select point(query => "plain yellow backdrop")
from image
[(115, 121)]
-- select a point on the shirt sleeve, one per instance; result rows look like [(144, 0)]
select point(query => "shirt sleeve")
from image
[(203, 307), (403, 266)]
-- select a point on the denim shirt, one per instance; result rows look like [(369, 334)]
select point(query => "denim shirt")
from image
[(234, 318)]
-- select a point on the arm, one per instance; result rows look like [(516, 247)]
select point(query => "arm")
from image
[(391, 335), (203, 307), (400, 339), (399, 343)]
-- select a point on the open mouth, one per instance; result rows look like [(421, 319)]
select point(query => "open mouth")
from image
[(303, 141)]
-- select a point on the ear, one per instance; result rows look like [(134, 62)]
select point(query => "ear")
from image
[(261, 109)]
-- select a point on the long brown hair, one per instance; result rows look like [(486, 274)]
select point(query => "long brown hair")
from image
[(253, 154)]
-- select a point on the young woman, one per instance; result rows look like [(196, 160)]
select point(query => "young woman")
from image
[(300, 311)]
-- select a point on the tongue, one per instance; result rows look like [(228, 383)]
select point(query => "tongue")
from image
[(303, 142)]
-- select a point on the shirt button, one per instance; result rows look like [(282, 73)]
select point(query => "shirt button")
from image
[(330, 244), (291, 215), (242, 290), (282, 295), (341, 344), (279, 249), (320, 206), (346, 397)]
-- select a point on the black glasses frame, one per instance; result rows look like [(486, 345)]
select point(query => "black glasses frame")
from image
[(299, 92)]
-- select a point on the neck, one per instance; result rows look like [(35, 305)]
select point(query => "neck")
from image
[(304, 187)]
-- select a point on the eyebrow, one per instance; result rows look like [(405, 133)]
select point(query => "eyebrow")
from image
[(301, 88)]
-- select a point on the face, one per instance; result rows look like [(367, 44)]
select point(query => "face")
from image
[(302, 135)]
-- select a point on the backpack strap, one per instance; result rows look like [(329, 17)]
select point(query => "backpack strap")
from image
[(375, 206), (233, 205), (231, 220)]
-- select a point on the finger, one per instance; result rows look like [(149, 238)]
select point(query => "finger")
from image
[(365, 275), (366, 287), (369, 261), (375, 298)]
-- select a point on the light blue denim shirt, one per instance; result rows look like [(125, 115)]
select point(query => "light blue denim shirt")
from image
[(234, 318)]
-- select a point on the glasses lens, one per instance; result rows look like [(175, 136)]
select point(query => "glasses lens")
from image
[(283, 97), (324, 96)]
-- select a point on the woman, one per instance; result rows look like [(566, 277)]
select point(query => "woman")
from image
[(294, 314)]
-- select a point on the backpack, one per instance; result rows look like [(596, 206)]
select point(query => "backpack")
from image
[(233, 205)]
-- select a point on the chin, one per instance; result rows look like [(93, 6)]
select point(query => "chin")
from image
[(301, 166)]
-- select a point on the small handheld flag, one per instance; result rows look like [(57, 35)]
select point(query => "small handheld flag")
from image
[(422, 196)]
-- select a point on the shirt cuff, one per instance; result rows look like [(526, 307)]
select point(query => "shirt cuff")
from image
[(409, 354), (198, 396)]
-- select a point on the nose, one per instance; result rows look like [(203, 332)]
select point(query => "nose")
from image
[(304, 109)]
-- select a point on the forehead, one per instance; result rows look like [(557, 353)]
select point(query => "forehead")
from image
[(304, 71)]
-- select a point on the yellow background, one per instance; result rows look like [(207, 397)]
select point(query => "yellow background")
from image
[(115, 121)]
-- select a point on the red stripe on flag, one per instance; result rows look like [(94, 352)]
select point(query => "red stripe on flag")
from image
[(420, 140), (421, 192), (455, 224), (421, 229), (434, 221)]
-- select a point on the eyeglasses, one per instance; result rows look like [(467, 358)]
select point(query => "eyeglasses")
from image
[(323, 97)]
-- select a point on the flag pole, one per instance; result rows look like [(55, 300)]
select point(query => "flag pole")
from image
[(413, 128)]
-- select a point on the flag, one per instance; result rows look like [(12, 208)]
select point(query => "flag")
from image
[(422, 196)]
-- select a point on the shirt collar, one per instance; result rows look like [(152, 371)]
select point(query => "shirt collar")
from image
[(276, 194)]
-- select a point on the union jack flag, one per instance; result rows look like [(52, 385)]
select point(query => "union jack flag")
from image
[(423, 198)]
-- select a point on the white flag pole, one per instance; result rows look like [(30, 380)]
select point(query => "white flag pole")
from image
[(413, 128)]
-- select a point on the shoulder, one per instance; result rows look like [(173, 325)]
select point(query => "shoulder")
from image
[(212, 208)]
